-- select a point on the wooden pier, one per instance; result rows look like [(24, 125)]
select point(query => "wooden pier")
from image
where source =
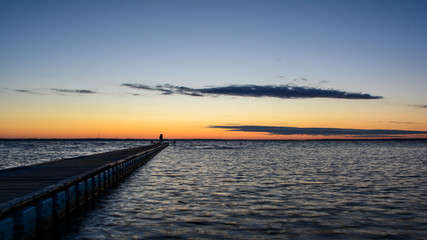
[(39, 201)]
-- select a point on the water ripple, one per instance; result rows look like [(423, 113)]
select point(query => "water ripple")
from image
[(267, 190)]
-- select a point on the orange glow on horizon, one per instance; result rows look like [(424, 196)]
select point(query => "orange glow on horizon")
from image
[(189, 118), (123, 133)]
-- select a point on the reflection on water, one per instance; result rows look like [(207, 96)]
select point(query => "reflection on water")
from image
[(270, 190)]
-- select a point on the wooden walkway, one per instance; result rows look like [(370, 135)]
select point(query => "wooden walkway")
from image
[(16, 183)]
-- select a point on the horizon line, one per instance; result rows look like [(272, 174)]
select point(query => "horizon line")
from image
[(212, 139)]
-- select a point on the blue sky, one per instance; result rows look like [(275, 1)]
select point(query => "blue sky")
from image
[(215, 42), (375, 47)]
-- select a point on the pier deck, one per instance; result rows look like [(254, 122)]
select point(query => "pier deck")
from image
[(38, 197), (17, 182)]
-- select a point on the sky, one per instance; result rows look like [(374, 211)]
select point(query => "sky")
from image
[(234, 69)]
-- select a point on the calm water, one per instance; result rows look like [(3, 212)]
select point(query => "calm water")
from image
[(255, 190)]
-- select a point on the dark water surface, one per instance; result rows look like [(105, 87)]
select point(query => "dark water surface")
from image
[(255, 190)]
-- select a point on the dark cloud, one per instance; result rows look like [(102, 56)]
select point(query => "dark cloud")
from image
[(418, 106), (274, 130), (166, 89), (22, 91), (79, 91), (300, 80), (25, 91), (277, 91), (397, 122)]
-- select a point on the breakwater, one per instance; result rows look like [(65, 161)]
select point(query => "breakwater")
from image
[(44, 200)]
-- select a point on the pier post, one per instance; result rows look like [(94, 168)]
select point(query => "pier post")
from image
[(71, 203), (89, 193), (25, 224), (81, 198), (44, 211), (95, 194), (101, 184), (6, 229)]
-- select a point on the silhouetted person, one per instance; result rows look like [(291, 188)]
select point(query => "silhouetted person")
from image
[(161, 138)]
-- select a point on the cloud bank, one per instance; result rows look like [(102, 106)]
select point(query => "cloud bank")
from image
[(49, 91), (276, 91), (274, 130)]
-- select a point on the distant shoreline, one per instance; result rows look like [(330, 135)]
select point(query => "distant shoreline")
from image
[(199, 139)]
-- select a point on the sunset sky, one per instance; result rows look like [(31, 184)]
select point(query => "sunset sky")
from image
[(224, 69)]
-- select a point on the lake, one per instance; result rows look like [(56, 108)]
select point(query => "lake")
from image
[(210, 189)]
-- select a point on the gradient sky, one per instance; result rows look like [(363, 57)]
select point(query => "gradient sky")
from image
[(213, 69)]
